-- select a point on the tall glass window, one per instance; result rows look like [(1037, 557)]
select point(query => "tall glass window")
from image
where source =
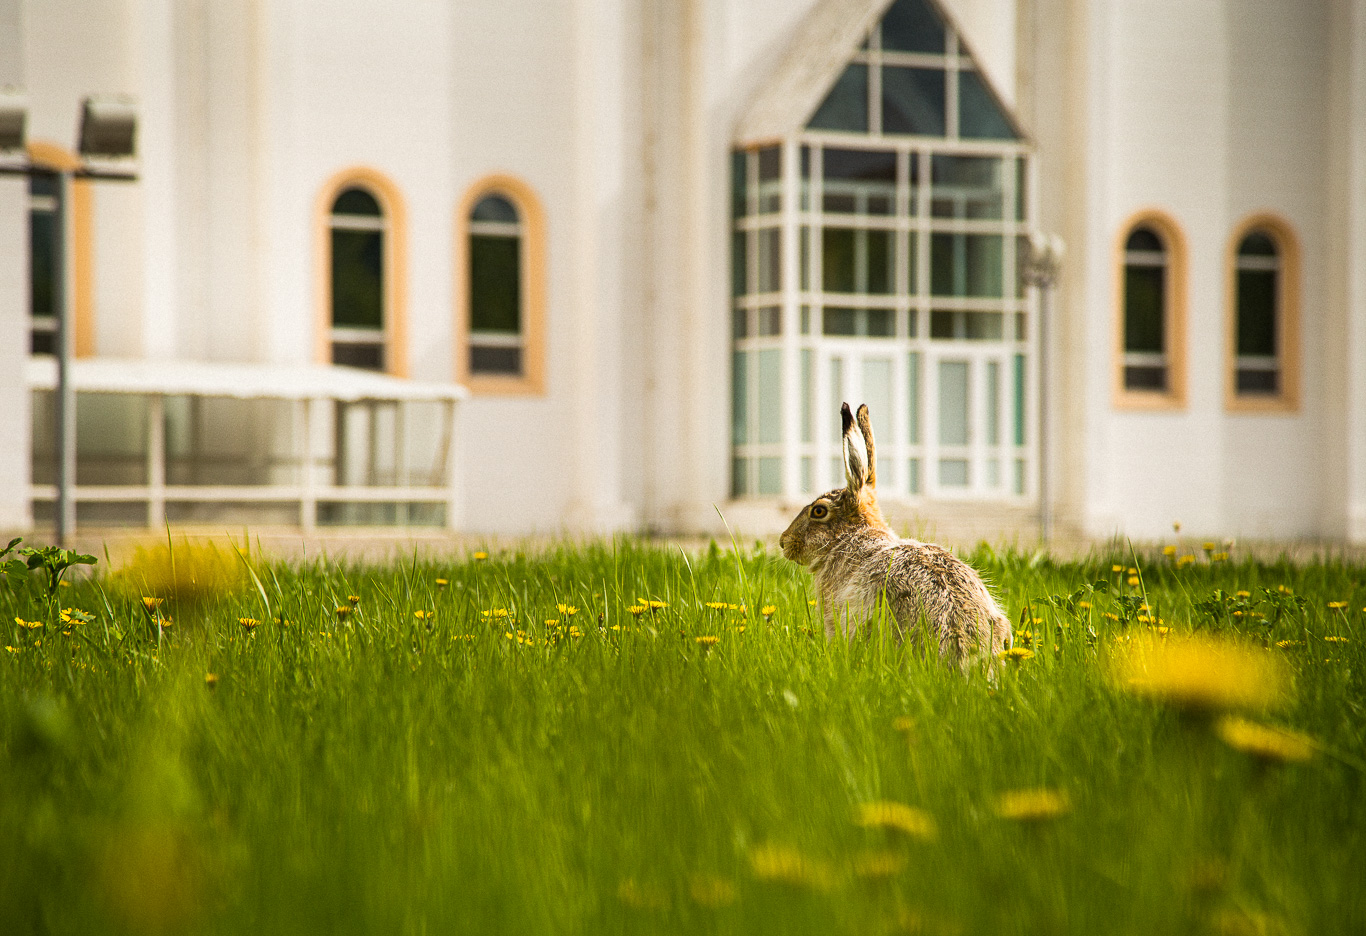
[(870, 265), (1145, 311), (358, 314), (495, 278), (1257, 309), (45, 260)]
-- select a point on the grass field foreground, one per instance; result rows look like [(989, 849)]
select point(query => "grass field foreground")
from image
[(626, 737)]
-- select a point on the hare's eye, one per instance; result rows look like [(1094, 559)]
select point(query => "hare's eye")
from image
[(819, 511)]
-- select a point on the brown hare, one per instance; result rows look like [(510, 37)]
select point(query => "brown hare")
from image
[(857, 562)]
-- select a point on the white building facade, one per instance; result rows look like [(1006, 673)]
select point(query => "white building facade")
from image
[(597, 265)]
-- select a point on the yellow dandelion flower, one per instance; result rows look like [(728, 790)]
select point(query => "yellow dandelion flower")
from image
[(150, 604), (28, 625), (1244, 594), (1110, 616), (1334, 638), (11, 649), (574, 631), (1337, 605), (717, 605), (786, 865), (442, 583), (1201, 673), (1265, 742), (1289, 644), (642, 896), (878, 865), (211, 680), (768, 610), (567, 610), (480, 556), (1162, 631), (1186, 560), (1208, 547), (423, 615), (708, 890), (904, 724), (552, 622), (1284, 590), (1169, 551), (897, 817), (353, 600), (250, 624), (1116, 568), (812, 602), (1133, 580), (1016, 655), (344, 611), (494, 613), (1219, 557), (638, 610), (707, 640), (1032, 805), (1084, 605)]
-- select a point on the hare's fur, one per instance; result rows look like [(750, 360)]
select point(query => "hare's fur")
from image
[(858, 564)]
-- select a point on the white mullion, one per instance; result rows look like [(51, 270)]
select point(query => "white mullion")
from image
[(790, 378)]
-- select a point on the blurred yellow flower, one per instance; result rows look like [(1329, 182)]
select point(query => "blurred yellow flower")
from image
[(1337, 605), (878, 865), (1219, 557), (1333, 638), (1016, 655), (707, 640), (708, 890), (567, 610), (185, 571), (441, 583), (768, 610), (1208, 547), (898, 817), (151, 604), (343, 611), (552, 622), (1133, 580), (786, 865), (1244, 594), (717, 605), (637, 610), (353, 600), (422, 615), (1200, 673), (1032, 805), (905, 724), (1185, 560), (28, 625), (1169, 551), (494, 613), (642, 896), (1289, 644), (651, 605), (1116, 568), (1264, 742), (211, 680), (481, 555), (249, 623)]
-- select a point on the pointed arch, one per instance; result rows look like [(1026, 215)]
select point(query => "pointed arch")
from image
[(394, 269)]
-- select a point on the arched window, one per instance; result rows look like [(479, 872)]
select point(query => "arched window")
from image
[(496, 340), (1146, 342), (357, 229), (1263, 342), (45, 260)]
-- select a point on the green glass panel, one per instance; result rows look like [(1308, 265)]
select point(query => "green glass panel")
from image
[(913, 398), (739, 204), (836, 398), (953, 402), (739, 411), (912, 264), (993, 403), (739, 477), (839, 322), (808, 389), (859, 181), (770, 397), (969, 265), (356, 201), (966, 187), (804, 259), (1144, 298), (357, 279), (912, 26), (913, 475), (1257, 312), (1257, 244), (953, 472), (494, 208), (1019, 368), (1019, 476), (877, 393), (495, 284), (44, 263), (979, 113), (846, 106), (881, 262), (770, 260), (770, 475), (739, 263), (837, 259), (913, 100), (1021, 192)]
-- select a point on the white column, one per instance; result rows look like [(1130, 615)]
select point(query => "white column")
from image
[(157, 176), (1352, 189), (15, 457)]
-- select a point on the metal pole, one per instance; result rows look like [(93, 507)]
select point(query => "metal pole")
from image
[(1045, 494), (66, 340)]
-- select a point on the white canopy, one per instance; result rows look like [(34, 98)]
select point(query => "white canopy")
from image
[(243, 381)]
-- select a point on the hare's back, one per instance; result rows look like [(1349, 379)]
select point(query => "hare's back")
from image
[(937, 578)]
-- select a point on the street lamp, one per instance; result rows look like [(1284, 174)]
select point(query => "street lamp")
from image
[(1039, 268), (108, 134)]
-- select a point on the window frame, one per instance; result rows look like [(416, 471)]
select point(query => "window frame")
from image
[(531, 382), (1287, 399), (1174, 397), (79, 203), (394, 270)]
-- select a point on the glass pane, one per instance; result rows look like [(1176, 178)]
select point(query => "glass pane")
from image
[(965, 187), (966, 326), (495, 359), (913, 475), (806, 320), (836, 398), (806, 178), (808, 390), (1144, 298), (808, 474), (966, 265), (1143, 239), (494, 208), (44, 260), (838, 321), (1019, 476), (859, 181), (357, 278), (881, 261), (913, 398), (220, 441), (739, 263), (1257, 244), (846, 106), (877, 393), (1145, 377), (1258, 381), (993, 472), (739, 204), (993, 403), (912, 263), (770, 476), (355, 201), (1019, 368), (953, 472), (979, 115), (1021, 181), (739, 477), (881, 323), (495, 284), (1257, 312), (953, 403), (837, 260), (912, 26), (739, 410), (770, 260), (740, 323), (367, 355), (804, 259), (770, 182), (913, 100), (111, 439), (770, 321), (770, 396)]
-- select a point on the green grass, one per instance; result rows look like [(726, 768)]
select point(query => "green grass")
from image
[(381, 773)]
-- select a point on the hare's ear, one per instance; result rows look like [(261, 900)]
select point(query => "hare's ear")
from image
[(854, 472), (865, 426)]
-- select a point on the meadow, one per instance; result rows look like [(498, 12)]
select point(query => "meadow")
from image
[(626, 737)]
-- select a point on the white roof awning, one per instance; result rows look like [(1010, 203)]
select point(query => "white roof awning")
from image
[(242, 381)]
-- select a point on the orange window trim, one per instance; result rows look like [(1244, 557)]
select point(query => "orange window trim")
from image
[(523, 197), (1174, 311), (395, 264), (81, 249), (1287, 318)]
